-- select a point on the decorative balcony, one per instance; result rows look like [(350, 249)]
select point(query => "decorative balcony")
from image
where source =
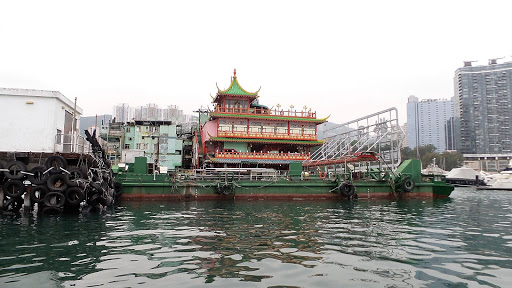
[(266, 135), (265, 111), (262, 156)]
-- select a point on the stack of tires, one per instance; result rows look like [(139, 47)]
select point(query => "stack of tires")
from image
[(56, 187), (13, 188)]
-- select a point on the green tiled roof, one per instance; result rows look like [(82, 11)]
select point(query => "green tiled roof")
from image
[(236, 89), (304, 142)]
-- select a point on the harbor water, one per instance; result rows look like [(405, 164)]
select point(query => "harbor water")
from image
[(463, 241)]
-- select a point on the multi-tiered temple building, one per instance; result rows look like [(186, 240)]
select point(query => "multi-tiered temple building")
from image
[(242, 132)]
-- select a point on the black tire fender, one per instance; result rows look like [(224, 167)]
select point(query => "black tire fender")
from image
[(93, 200), (15, 168), (97, 187), (75, 175), (39, 176), (408, 184), (12, 204), (37, 193), (118, 187), (54, 199), (227, 190), (107, 201), (58, 183), (347, 189), (57, 162), (74, 196), (13, 188)]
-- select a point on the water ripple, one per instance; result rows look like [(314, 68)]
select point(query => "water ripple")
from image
[(462, 241)]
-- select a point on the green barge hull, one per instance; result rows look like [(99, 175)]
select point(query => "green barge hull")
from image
[(141, 186)]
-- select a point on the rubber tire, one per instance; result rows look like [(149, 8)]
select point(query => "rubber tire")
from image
[(108, 178), (61, 200), (227, 190), (74, 196), (21, 166), (13, 204), (93, 200), (347, 189), (109, 201), (14, 194), (408, 184), (75, 174), (118, 187), (42, 189), (56, 161), (52, 181), (96, 187), (39, 176)]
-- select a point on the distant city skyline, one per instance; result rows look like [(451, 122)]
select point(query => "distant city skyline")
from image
[(123, 112)]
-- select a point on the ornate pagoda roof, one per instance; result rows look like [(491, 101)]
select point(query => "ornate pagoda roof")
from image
[(235, 89)]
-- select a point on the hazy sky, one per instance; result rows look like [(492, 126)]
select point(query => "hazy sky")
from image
[(342, 58)]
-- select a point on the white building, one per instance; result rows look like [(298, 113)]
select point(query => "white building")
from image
[(38, 121), (426, 122)]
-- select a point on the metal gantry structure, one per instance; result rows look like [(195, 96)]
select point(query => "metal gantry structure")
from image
[(375, 137)]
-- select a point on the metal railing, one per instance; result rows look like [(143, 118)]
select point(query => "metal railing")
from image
[(262, 155), (378, 133), (265, 111), (73, 143), (266, 135)]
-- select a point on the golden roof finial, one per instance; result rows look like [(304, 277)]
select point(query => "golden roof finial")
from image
[(234, 73)]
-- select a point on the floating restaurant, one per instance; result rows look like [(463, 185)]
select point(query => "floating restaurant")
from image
[(253, 152), (243, 133)]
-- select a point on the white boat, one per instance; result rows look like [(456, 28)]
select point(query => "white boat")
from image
[(464, 176), (501, 181)]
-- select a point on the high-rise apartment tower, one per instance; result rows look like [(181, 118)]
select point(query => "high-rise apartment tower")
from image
[(483, 108), (426, 122)]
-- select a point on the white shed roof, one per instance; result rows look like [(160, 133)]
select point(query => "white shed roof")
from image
[(39, 93)]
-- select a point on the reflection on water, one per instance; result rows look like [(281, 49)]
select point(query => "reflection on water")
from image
[(462, 241)]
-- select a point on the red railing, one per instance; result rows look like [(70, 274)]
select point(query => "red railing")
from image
[(356, 157), (261, 155), (266, 135), (263, 111)]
